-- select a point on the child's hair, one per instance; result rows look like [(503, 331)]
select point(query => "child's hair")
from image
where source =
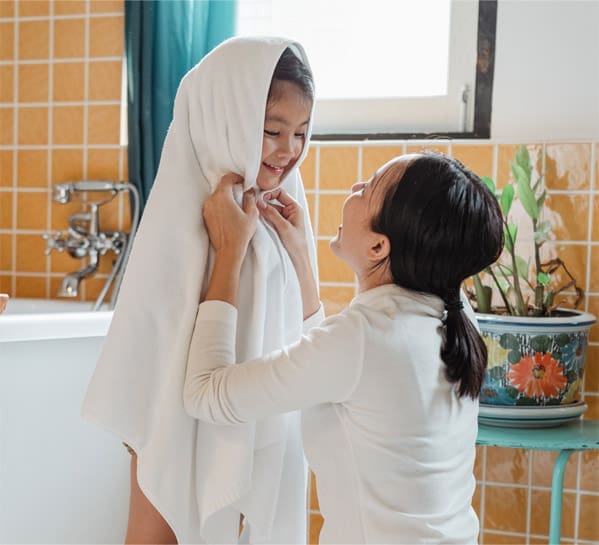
[(444, 225), (291, 68)]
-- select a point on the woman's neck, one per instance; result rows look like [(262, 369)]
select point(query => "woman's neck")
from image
[(373, 278)]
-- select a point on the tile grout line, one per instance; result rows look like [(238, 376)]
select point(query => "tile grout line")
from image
[(70, 16), (592, 175), (483, 488), (41, 104), (529, 495), (15, 136), (359, 177), (315, 234), (50, 142), (60, 60), (316, 194), (86, 38)]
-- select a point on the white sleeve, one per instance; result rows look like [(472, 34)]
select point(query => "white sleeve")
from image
[(323, 366), (314, 320)]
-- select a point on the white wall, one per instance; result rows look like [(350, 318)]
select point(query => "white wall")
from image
[(546, 83)]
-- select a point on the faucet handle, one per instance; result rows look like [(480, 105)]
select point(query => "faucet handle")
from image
[(54, 241)]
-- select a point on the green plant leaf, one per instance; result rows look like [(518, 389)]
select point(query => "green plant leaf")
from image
[(525, 192), (537, 184), (541, 199), (490, 184), (504, 285), (484, 295), (543, 279), (510, 232), (542, 232), (522, 267), (507, 197), (522, 157)]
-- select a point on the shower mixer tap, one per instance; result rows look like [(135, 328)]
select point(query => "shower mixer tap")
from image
[(84, 238)]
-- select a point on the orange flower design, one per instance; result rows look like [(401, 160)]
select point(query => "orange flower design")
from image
[(537, 376)]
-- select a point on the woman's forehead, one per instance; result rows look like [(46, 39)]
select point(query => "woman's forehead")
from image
[(400, 162)]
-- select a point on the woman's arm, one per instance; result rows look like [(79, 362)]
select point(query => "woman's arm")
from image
[(323, 366)]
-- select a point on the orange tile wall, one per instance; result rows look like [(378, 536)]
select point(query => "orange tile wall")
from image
[(60, 104), (60, 77)]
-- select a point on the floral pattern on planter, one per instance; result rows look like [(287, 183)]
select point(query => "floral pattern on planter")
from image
[(527, 369)]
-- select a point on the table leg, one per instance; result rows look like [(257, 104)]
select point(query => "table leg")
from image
[(557, 488)]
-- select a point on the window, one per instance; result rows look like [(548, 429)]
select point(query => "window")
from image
[(384, 67)]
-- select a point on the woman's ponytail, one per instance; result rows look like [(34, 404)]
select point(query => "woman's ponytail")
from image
[(463, 351)]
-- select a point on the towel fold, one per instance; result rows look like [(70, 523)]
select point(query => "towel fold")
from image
[(197, 475)]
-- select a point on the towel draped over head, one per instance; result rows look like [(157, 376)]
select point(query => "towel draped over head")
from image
[(200, 476)]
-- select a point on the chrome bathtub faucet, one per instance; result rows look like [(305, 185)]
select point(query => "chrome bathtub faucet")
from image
[(84, 238)]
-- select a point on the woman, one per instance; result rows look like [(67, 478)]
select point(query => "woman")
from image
[(245, 108), (389, 387)]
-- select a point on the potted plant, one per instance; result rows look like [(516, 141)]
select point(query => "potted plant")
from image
[(536, 349)]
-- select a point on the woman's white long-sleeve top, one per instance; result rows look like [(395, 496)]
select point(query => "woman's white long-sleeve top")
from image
[(390, 442)]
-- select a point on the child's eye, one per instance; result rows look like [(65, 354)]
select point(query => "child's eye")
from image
[(300, 135), (271, 133)]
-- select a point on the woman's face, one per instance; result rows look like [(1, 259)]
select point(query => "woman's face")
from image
[(355, 237), (285, 127)]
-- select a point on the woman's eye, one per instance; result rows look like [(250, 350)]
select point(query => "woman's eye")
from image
[(271, 133)]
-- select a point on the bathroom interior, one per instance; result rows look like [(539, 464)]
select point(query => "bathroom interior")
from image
[(66, 215)]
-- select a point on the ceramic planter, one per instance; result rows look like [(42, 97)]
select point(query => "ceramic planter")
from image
[(534, 362)]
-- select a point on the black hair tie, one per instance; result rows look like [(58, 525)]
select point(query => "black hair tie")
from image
[(454, 306)]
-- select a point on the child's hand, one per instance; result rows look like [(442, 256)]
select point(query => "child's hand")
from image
[(288, 220), (230, 226)]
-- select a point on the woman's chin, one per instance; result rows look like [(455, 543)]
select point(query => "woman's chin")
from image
[(334, 245)]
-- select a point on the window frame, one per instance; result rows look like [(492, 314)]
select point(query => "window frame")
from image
[(482, 93)]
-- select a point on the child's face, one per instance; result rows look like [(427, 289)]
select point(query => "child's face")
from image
[(285, 126)]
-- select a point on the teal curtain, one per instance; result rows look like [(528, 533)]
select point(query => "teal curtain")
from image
[(163, 40)]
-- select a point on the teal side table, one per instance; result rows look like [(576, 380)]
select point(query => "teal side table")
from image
[(566, 439)]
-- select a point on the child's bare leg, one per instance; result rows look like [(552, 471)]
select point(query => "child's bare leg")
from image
[(145, 524)]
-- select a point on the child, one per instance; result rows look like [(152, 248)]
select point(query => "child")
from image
[(245, 108)]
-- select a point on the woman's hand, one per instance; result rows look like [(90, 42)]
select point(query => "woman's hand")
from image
[(230, 226), (287, 218)]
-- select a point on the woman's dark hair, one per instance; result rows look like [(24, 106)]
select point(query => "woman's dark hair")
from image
[(444, 225), (291, 68)]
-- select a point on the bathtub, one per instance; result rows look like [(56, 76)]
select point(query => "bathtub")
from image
[(62, 480)]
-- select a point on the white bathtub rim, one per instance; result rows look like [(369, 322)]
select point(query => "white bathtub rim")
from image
[(57, 325)]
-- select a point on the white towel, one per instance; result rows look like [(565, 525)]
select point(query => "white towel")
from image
[(200, 476)]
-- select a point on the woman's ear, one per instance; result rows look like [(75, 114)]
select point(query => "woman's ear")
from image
[(380, 247)]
